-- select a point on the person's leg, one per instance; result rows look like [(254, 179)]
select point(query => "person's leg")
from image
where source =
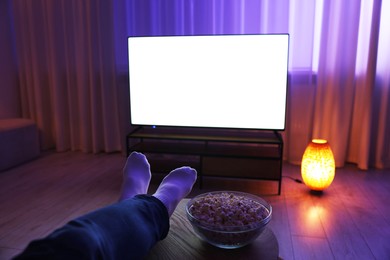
[(125, 230), (175, 186), (136, 176)]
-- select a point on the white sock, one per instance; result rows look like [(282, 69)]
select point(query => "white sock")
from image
[(175, 186), (136, 176)]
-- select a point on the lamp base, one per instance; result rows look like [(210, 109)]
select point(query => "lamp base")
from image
[(316, 192)]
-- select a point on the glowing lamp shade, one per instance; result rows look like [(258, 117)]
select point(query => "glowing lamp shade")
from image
[(318, 165)]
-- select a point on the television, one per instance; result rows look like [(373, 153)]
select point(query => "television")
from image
[(209, 81)]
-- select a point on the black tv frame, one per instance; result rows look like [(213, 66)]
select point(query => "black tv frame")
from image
[(201, 128)]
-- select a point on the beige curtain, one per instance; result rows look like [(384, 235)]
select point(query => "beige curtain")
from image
[(65, 52)]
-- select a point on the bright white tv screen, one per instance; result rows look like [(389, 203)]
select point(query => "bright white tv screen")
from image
[(218, 81)]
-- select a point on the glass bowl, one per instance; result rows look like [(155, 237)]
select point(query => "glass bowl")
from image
[(228, 219)]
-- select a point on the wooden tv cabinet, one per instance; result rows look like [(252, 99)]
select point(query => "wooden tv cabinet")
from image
[(248, 154)]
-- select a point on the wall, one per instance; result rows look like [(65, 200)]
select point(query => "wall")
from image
[(9, 87)]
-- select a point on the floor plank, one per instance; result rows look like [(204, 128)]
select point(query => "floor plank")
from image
[(344, 237), (312, 248), (8, 253), (281, 226)]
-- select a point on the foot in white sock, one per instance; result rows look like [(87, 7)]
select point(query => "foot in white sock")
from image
[(175, 186), (136, 176)]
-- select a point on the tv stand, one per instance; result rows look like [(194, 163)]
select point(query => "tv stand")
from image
[(219, 152)]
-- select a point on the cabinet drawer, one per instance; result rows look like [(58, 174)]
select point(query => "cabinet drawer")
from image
[(241, 168)]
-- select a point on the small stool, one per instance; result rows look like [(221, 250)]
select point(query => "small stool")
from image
[(19, 142)]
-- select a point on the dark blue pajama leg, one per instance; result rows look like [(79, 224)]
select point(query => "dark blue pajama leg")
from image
[(125, 230)]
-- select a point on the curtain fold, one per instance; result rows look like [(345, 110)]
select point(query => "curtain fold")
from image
[(72, 60), (336, 76), (379, 137), (67, 63)]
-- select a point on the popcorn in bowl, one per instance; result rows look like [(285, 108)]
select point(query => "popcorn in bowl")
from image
[(228, 219)]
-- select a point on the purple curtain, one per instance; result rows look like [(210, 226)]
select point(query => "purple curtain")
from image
[(339, 81), (72, 64)]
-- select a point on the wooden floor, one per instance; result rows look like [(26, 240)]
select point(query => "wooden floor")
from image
[(350, 220)]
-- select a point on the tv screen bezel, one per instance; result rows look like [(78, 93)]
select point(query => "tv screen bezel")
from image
[(214, 127)]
